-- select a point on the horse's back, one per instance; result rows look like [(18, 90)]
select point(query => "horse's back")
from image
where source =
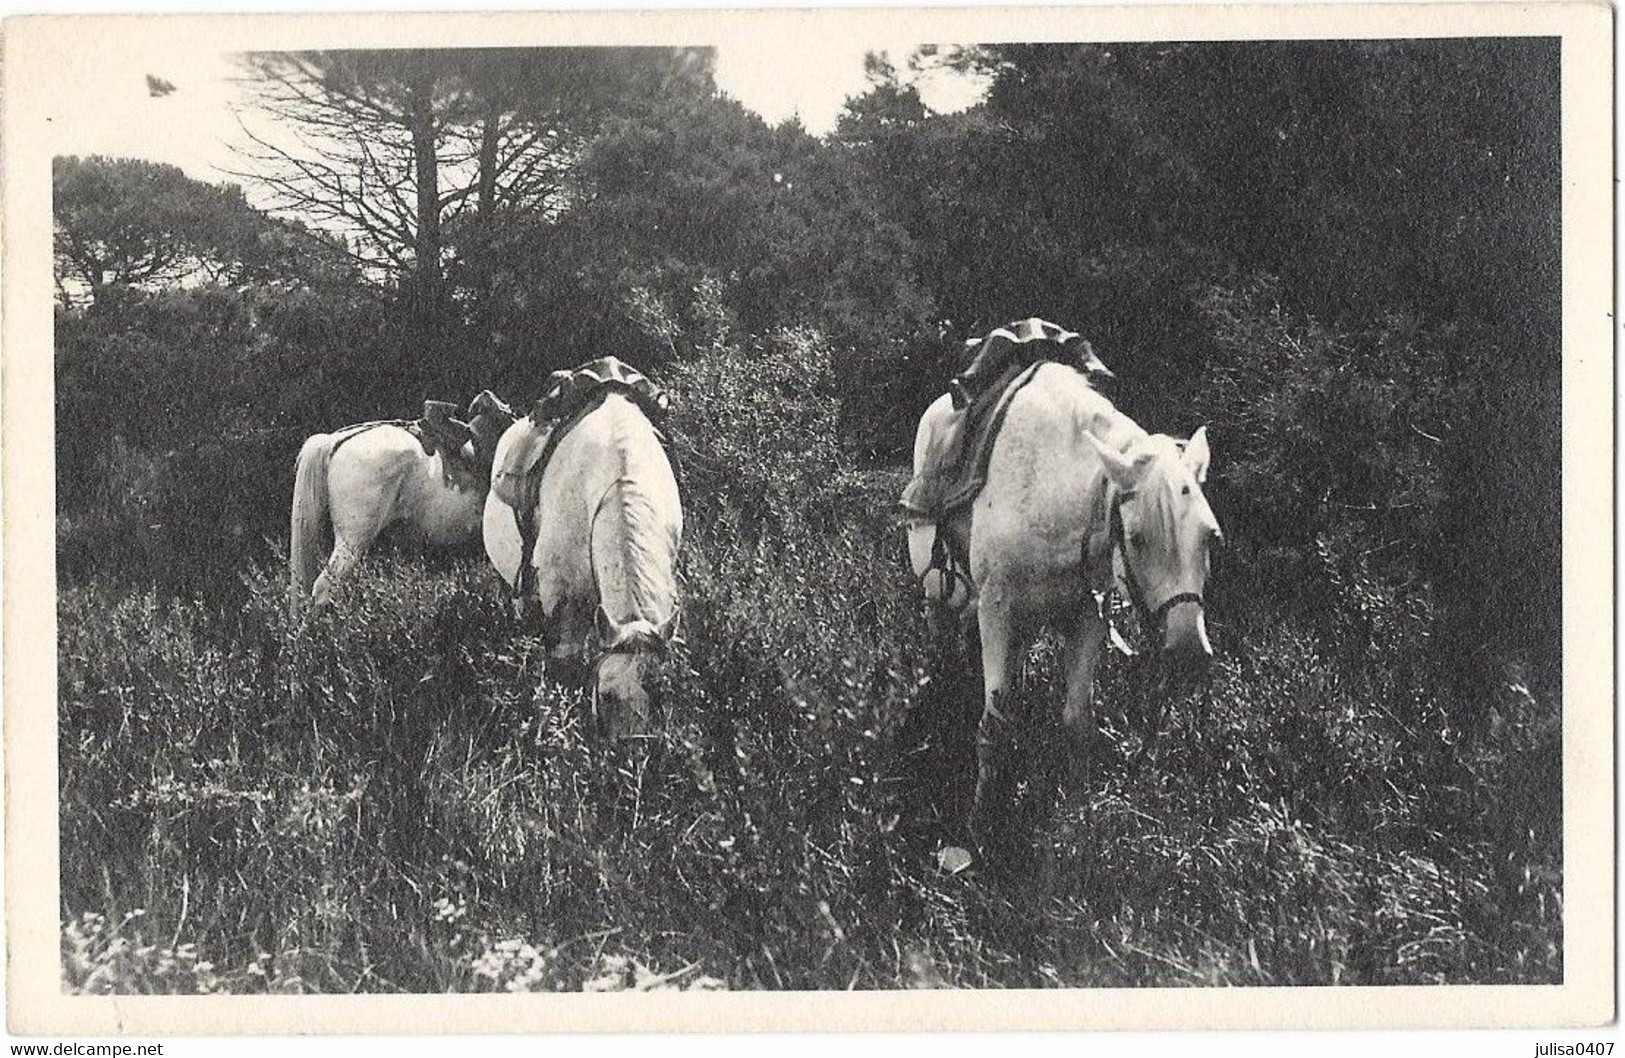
[(612, 445), (374, 455), (1044, 484), (613, 440), (381, 477)]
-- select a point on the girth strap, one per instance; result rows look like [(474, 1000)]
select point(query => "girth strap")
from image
[(524, 514), (362, 427)]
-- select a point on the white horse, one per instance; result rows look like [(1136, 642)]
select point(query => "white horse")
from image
[(608, 521), (1078, 498), (362, 479)]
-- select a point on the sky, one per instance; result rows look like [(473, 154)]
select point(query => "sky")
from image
[(195, 127), (812, 80)]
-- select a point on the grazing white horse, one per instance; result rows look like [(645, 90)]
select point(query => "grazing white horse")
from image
[(608, 521), (1078, 498), (365, 478)]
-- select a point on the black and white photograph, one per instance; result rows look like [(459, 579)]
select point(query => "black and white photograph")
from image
[(829, 507)]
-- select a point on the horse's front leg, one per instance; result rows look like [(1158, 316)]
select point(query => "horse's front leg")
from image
[(1002, 716), (1085, 642)]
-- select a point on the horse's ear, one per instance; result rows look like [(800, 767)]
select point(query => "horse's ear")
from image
[(487, 401), (1197, 455), (667, 629), (1093, 366), (1118, 467)]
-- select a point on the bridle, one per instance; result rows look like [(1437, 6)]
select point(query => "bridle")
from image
[(1151, 618), (650, 644)]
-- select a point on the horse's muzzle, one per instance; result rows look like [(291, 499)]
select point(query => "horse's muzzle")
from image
[(1184, 635)]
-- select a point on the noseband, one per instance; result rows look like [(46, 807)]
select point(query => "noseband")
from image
[(1152, 618), (650, 643)]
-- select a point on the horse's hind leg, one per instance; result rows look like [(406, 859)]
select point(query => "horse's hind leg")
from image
[(1002, 718), (356, 525), (343, 559)]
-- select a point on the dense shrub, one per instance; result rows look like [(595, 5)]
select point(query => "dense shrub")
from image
[(1323, 429), (421, 804), (403, 782), (405, 796)]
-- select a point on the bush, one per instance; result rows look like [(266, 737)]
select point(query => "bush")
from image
[(406, 795), (755, 421), (1324, 429)]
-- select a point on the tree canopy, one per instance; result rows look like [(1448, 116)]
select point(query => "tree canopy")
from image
[(1343, 256), (128, 224)]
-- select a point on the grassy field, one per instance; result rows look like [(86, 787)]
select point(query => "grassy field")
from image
[(400, 798)]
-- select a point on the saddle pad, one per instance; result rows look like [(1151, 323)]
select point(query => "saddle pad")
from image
[(955, 468), (573, 396), (1021, 332), (569, 391)]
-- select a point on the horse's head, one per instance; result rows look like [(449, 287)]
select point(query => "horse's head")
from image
[(1164, 529), (622, 700)]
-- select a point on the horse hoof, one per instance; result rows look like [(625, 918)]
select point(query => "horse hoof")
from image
[(952, 859)]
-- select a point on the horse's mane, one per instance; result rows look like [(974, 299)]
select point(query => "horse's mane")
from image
[(642, 534), (1092, 410)]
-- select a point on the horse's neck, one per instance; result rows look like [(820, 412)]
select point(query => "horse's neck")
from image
[(631, 521), (486, 437), (1106, 422)]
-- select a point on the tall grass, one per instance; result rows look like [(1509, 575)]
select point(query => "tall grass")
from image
[(403, 797)]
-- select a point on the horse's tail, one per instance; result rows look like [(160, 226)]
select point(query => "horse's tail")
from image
[(308, 518)]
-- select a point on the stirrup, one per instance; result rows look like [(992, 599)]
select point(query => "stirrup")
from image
[(952, 578), (953, 573)]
